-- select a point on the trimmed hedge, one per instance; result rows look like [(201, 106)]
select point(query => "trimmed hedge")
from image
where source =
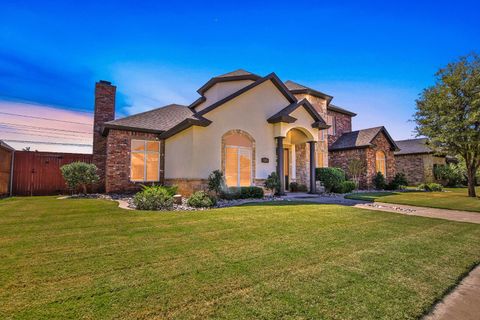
[(346, 187), (331, 178), (430, 187), (242, 193), (154, 198), (298, 187)]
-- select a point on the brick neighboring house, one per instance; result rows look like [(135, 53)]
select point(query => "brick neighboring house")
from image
[(374, 147), (243, 124), (417, 160)]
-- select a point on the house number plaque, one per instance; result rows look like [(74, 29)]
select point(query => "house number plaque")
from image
[(265, 160)]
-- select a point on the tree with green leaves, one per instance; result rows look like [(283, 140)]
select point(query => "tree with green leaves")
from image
[(448, 113)]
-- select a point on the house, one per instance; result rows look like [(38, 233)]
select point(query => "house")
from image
[(417, 160), (244, 124), (6, 162)]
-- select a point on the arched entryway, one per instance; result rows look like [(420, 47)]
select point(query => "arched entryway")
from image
[(296, 158)]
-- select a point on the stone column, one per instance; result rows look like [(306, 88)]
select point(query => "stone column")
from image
[(280, 173), (312, 166)]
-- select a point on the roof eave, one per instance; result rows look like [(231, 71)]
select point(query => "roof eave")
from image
[(210, 83), (185, 124), (282, 118), (350, 148), (107, 127), (343, 111)]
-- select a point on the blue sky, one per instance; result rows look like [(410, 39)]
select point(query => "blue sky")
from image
[(374, 58)]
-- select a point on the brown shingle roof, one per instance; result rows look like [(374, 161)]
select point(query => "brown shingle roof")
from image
[(156, 120), (360, 139), (413, 146)]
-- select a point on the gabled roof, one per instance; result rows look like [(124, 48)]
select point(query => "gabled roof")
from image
[(284, 114), (295, 87), (338, 109), (413, 146), (272, 77), (361, 139), (236, 75), (155, 121)]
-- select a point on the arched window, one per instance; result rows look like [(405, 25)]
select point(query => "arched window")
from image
[(381, 163), (238, 159)]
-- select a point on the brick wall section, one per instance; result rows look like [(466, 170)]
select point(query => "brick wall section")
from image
[(341, 159), (343, 123), (117, 178), (418, 168), (104, 111)]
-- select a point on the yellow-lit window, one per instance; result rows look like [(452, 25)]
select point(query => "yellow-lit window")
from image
[(321, 159), (238, 160), (380, 163), (322, 135), (332, 122), (145, 160)]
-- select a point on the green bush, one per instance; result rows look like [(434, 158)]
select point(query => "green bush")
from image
[(330, 177), (201, 199), (398, 182), (379, 181), (430, 187), (234, 193), (298, 187), (171, 190), (79, 174), (273, 182), (451, 175), (346, 187), (216, 181), (154, 198)]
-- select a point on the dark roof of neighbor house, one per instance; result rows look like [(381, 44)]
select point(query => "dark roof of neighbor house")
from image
[(361, 139), (295, 87), (284, 114), (155, 121), (413, 146), (6, 146), (236, 75)]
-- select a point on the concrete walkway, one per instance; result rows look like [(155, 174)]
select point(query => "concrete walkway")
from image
[(463, 303), (453, 215)]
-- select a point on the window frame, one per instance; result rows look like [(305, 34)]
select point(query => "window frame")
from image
[(145, 152), (384, 160), (332, 121), (239, 148)]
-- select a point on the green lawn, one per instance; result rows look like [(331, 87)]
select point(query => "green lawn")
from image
[(90, 259), (452, 198)]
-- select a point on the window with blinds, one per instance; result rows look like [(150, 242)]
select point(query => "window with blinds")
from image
[(145, 161)]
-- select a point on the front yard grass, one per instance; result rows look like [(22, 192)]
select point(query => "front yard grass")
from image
[(452, 198), (89, 259)]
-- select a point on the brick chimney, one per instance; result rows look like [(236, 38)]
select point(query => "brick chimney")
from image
[(104, 111)]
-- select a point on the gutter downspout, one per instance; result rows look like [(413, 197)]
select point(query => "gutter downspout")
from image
[(11, 173)]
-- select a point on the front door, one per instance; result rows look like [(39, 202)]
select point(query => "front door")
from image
[(286, 167)]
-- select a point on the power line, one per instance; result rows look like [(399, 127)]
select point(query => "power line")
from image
[(45, 130), (39, 135), (50, 119), (36, 127), (43, 142)]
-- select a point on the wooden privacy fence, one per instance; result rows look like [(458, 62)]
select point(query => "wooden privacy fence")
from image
[(38, 173)]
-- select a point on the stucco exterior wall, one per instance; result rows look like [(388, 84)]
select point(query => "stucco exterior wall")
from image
[(221, 90)]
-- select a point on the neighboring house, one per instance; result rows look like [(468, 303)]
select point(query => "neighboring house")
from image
[(6, 160), (417, 160), (246, 125)]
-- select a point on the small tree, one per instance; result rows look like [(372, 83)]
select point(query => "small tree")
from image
[(273, 183), (448, 113), (379, 181), (356, 168), (216, 182), (79, 174)]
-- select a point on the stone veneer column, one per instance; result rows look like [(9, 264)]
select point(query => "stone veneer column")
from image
[(280, 172), (312, 166)]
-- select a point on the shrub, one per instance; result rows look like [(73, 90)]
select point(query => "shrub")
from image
[(79, 174), (273, 182), (153, 198), (298, 187), (216, 182), (201, 199), (171, 190), (356, 168), (379, 181), (346, 187), (397, 182), (330, 177), (234, 193), (430, 187), (451, 175)]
